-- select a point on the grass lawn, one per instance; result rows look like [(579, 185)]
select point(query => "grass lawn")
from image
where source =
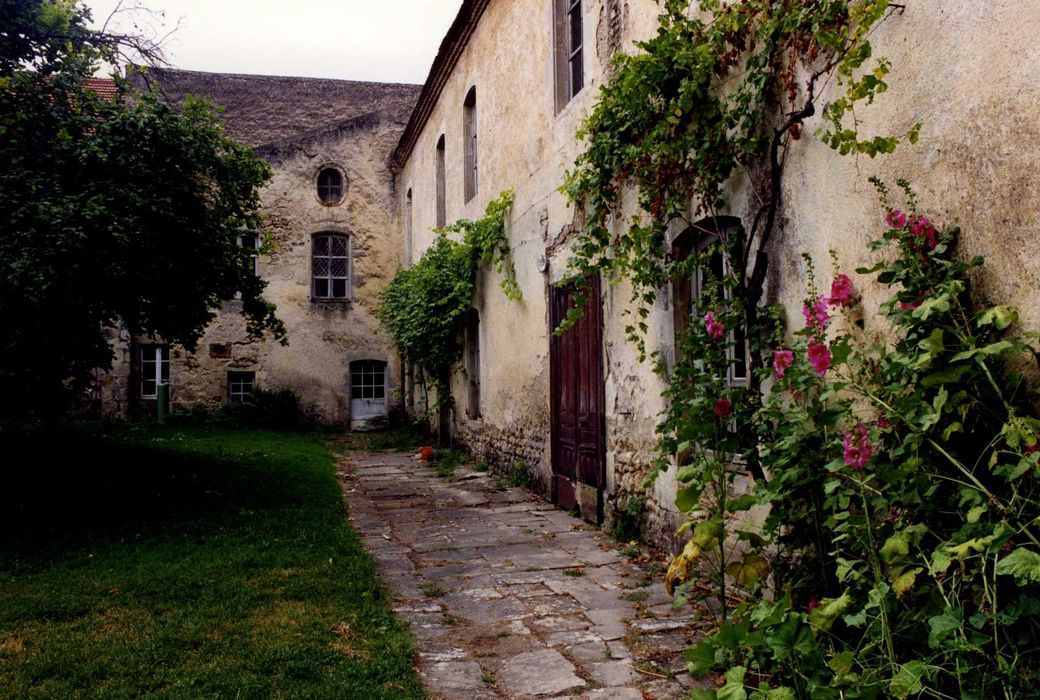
[(187, 563)]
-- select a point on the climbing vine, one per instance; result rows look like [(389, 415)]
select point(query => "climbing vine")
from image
[(424, 307)]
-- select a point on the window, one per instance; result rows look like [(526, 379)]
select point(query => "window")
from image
[(570, 66), (408, 228), (702, 237), (240, 386), (155, 369), (473, 362), (330, 186), (442, 216), (367, 379), (469, 123), (330, 263)]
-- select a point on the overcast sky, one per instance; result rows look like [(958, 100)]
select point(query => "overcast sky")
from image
[(380, 40)]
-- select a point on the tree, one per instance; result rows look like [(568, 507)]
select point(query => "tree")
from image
[(110, 210)]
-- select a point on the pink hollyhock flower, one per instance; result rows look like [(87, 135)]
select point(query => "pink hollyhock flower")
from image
[(895, 219), (820, 358), (904, 306), (816, 316), (1032, 448), (841, 291), (923, 228), (722, 407), (814, 603), (782, 359), (883, 422), (715, 329), (856, 446)]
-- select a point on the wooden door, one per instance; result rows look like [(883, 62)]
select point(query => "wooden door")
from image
[(576, 386)]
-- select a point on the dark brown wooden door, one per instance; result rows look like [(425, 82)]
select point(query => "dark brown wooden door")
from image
[(576, 385)]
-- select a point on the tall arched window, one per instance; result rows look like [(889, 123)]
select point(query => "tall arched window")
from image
[(569, 59), (469, 123), (703, 237), (408, 224), (442, 217), (330, 266)]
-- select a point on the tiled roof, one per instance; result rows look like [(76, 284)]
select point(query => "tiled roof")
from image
[(104, 87), (262, 109)]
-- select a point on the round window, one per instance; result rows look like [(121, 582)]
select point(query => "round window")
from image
[(330, 186)]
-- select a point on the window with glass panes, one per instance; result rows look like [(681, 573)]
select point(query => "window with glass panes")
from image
[(569, 50), (251, 243), (155, 369), (240, 386), (330, 261), (367, 379), (330, 186)]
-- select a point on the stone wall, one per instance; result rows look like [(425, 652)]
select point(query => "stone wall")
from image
[(962, 69)]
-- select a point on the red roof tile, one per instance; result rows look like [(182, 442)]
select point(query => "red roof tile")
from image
[(104, 87)]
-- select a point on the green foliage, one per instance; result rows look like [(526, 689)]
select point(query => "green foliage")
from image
[(110, 212), (424, 307), (626, 525), (904, 496), (712, 94), (519, 475), (265, 408), (186, 559)]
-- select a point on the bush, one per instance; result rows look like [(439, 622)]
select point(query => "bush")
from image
[(266, 409)]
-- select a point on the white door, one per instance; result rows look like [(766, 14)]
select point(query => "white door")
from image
[(367, 395)]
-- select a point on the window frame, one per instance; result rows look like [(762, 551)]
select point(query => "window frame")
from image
[(366, 369), (440, 184), (327, 198), (569, 57), (328, 277), (234, 377), (471, 157), (160, 373), (694, 241), (473, 364)]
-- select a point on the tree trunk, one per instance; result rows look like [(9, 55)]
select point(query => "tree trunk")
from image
[(444, 408)]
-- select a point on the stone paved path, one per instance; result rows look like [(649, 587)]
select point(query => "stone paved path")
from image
[(508, 596)]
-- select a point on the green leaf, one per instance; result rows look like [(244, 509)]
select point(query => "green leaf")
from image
[(734, 688), (703, 694), (823, 616), (907, 680), (943, 625), (975, 513), (946, 376), (749, 569), (687, 499), (999, 316), (905, 582), (898, 545), (1022, 563), (842, 665), (701, 657), (933, 344)]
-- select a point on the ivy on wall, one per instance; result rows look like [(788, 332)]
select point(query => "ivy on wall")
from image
[(424, 307)]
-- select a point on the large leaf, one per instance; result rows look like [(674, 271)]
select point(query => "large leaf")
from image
[(908, 680), (823, 616), (943, 625), (701, 657), (1022, 563), (749, 569), (734, 688)]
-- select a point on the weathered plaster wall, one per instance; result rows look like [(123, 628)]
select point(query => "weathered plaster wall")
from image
[(324, 336), (972, 84)]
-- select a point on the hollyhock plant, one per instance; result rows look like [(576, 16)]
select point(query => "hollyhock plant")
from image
[(841, 291), (819, 358), (782, 359), (856, 447), (895, 219), (722, 407), (923, 228), (715, 328), (816, 315)]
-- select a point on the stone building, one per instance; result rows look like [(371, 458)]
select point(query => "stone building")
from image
[(500, 109), (326, 249)]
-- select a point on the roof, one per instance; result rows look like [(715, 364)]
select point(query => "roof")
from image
[(265, 109), (451, 48), (104, 87)]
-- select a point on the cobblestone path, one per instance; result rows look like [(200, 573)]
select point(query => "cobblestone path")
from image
[(508, 596)]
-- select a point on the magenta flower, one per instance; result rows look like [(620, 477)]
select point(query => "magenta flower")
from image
[(819, 357), (923, 228), (841, 291), (715, 329), (895, 219), (856, 446), (782, 359), (722, 407), (905, 306), (1032, 448), (816, 316)]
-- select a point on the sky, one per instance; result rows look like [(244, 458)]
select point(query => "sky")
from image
[(379, 40)]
